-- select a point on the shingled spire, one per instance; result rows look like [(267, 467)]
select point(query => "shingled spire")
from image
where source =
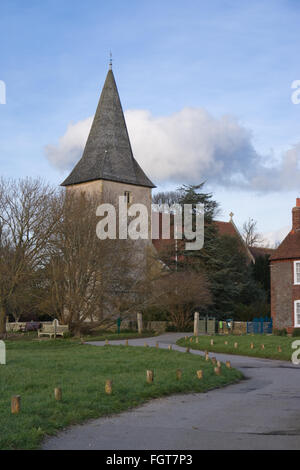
[(108, 154)]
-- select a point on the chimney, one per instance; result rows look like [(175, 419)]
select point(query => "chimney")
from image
[(296, 215)]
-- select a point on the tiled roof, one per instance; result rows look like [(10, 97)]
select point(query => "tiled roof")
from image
[(289, 248), (108, 154)]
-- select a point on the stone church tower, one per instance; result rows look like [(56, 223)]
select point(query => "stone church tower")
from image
[(107, 165)]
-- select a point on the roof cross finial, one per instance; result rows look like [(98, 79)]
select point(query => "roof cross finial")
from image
[(110, 61), (231, 215)]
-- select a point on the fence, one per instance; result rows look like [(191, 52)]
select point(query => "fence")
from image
[(260, 326)]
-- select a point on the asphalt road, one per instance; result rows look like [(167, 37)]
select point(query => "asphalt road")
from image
[(261, 412)]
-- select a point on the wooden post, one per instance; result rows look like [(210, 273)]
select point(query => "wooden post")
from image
[(57, 394), (126, 342), (108, 387), (206, 356), (196, 323), (187, 350), (140, 323), (218, 364), (279, 349), (150, 376), (157, 344), (55, 323), (213, 360), (262, 346), (146, 345), (211, 342), (228, 364), (2, 353), (185, 338), (200, 374), (170, 347), (236, 345), (226, 342), (178, 374), (191, 339), (106, 342), (252, 346), (15, 404), (197, 340), (217, 370)]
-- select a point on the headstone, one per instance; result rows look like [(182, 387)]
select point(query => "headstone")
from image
[(2, 353)]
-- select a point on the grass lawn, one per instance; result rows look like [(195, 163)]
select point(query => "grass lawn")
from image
[(115, 336), (35, 368), (270, 343)]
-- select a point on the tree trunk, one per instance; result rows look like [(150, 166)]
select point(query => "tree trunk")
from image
[(2, 322)]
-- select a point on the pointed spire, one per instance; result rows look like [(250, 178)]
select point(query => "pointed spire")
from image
[(108, 154)]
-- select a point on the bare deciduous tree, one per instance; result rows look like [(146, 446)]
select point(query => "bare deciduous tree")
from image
[(250, 234), (180, 293), (27, 220)]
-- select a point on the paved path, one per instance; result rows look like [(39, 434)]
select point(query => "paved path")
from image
[(261, 412)]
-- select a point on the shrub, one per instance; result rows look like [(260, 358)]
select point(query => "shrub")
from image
[(279, 332), (296, 332)]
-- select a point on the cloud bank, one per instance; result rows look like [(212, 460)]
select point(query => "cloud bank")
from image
[(190, 146)]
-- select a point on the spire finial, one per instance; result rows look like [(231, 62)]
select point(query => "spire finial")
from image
[(110, 60), (231, 215)]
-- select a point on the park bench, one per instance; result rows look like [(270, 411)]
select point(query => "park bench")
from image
[(49, 330)]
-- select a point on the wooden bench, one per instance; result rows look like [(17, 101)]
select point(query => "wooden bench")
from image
[(49, 330)]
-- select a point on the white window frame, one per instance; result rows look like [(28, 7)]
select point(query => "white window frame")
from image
[(296, 278), (296, 313)]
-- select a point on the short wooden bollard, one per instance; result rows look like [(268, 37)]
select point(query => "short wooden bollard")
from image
[(228, 364), (108, 387), (15, 404), (197, 340), (57, 394), (211, 342), (200, 374), (178, 374), (217, 370), (106, 342), (126, 342), (236, 345), (150, 376), (146, 345), (191, 339), (218, 364), (157, 344), (185, 338), (262, 346), (207, 357), (170, 347), (226, 342), (252, 346), (279, 349), (187, 350), (213, 360)]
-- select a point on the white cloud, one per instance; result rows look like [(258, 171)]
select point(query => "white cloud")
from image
[(277, 236), (190, 146)]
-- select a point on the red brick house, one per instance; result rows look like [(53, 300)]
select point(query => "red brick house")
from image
[(285, 278)]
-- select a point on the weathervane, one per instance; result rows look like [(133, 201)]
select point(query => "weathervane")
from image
[(110, 61)]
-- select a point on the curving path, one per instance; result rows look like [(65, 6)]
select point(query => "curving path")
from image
[(261, 412)]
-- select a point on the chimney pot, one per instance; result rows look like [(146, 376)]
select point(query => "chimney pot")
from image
[(298, 202), (296, 215)]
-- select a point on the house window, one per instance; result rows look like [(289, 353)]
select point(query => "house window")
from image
[(297, 313), (296, 272), (127, 195)]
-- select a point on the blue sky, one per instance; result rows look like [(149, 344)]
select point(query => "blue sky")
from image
[(235, 58)]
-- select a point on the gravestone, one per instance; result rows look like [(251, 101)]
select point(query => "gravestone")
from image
[(2, 353), (196, 324)]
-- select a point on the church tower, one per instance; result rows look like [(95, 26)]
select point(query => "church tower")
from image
[(107, 165)]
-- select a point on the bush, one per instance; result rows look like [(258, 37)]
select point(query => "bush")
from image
[(296, 332), (279, 332)]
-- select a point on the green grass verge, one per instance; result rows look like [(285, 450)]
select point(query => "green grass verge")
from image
[(270, 343), (35, 368)]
